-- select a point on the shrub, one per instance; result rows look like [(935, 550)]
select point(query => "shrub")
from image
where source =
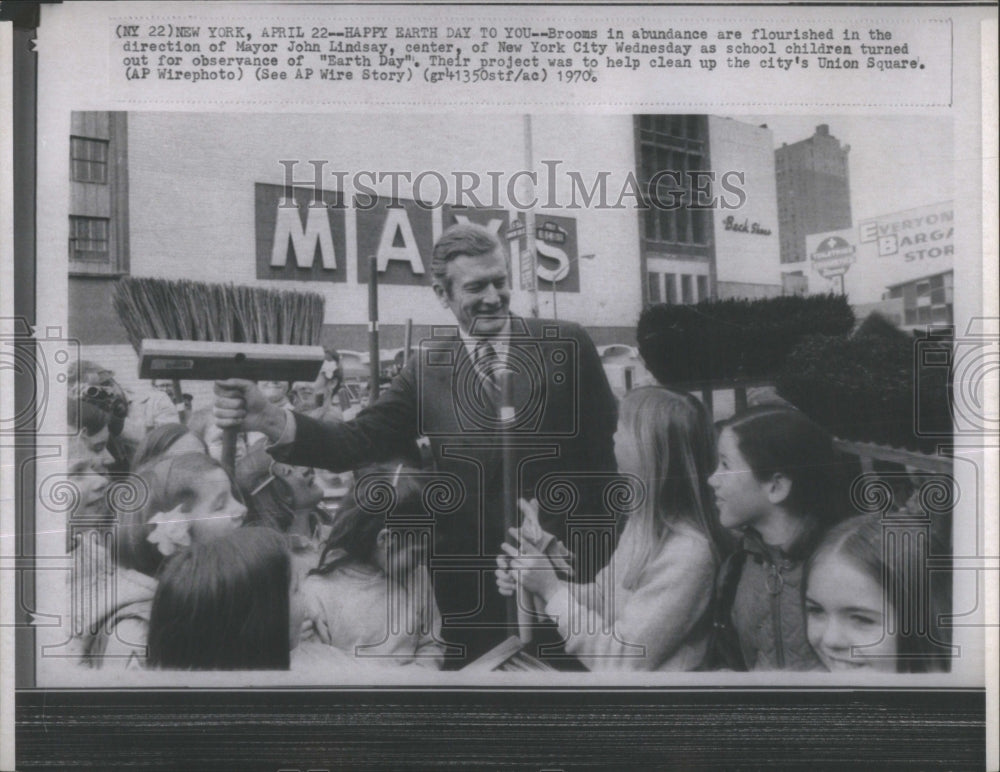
[(864, 388), (721, 340)]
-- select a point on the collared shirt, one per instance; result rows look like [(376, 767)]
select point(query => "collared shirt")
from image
[(287, 434), (500, 342)]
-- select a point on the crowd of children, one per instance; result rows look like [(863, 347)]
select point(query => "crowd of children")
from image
[(741, 553)]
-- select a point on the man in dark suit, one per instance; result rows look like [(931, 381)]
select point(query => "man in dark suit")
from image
[(556, 411)]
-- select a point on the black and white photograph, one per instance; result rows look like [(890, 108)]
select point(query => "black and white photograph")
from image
[(349, 402)]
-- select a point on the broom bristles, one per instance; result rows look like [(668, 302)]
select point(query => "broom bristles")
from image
[(188, 310)]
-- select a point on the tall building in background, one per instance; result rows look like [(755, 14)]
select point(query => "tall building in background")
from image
[(814, 192)]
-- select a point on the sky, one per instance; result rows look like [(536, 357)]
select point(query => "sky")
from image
[(896, 162)]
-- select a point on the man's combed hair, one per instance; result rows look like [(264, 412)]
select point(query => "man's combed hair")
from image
[(464, 239)]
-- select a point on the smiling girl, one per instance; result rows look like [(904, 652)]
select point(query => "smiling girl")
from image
[(863, 611), (190, 498)]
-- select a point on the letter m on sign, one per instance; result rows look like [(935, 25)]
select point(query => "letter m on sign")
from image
[(300, 237), (303, 241)]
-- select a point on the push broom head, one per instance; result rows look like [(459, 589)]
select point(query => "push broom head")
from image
[(197, 331)]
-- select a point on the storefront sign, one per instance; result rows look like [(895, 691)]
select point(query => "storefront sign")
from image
[(301, 238), (916, 235), (558, 256), (493, 219), (399, 233), (745, 226), (832, 258), (891, 249)]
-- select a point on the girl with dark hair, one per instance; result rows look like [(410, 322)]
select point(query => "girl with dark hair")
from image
[(871, 604), (167, 440), (89, 429), (280, 496), (371, 595), (649, 609), (175, 502), (777, 485), (226, 604)]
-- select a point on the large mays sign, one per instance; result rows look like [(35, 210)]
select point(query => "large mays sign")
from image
[(307, 235)]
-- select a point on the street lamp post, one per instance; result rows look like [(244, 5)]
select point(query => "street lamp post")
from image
[(529, 220)]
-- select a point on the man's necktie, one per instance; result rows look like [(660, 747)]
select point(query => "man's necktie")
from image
[(488, 366)]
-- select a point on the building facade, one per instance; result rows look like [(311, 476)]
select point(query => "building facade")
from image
[(747, 247), (301, 202), (929, 300), (676, 243), (813, 192), (721, 241)]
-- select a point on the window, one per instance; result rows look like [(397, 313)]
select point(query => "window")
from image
[(654, 287), (702, 288), (88, 239), (699, 226), (940, 314), (687, 294), (674, 143), (670, 295), (88, 159), (98, 240)]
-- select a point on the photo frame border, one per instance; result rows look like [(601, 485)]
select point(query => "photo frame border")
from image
[(387, 727)]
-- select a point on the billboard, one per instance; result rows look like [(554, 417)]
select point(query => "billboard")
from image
[(747, 248), (831, 258), (888, 250), (301, 235)]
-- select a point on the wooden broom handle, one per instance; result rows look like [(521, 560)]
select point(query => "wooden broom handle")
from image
[(179, 400), (229, 435)]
